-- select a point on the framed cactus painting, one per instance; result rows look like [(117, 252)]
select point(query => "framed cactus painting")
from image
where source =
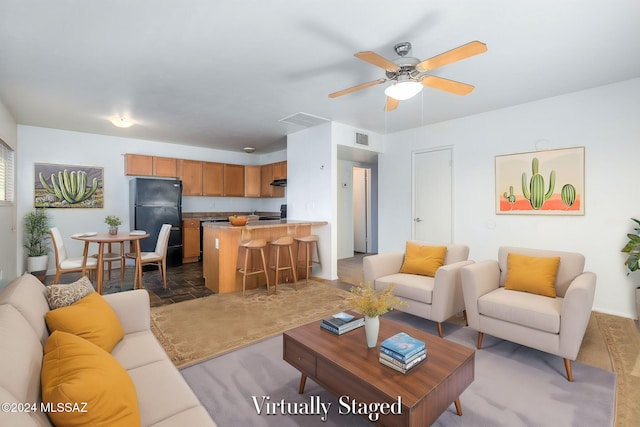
[(68, 186), (549, 182)]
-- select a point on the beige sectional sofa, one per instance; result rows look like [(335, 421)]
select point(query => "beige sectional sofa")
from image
[(164, 398), (435, 298)]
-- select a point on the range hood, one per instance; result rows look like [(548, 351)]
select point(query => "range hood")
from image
[(279, 183)]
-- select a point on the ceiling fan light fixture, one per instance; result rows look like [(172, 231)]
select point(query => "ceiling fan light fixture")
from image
[(121, 122), (403, 90)]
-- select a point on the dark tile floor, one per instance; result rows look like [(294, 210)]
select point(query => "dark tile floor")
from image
[(186, 282)]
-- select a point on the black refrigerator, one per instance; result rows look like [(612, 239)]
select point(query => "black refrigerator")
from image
[(154, 202)]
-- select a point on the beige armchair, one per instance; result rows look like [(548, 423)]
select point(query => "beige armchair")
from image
[(435, 298), (553, 325)]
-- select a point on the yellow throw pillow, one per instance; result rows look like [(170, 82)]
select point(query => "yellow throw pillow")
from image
[(84, 385), (423, 260), (91, 318), (532, 274)]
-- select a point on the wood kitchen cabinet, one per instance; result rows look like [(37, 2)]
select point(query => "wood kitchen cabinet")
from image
[(190, 240), (233, 180), (165, 167), (252, 181), (266, 178), (138, 165), (213, 179), (190, 172), (280, 170)]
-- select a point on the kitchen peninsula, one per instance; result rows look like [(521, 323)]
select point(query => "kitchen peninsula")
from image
[(221, 259)]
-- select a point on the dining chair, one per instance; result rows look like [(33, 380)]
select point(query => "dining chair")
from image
[(64, 264), (157, 257)]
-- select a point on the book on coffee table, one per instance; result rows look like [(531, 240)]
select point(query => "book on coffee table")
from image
[(342, 322), (402, 347), (399, 366)]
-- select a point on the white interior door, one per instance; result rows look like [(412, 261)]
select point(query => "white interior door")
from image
[(432, 196), (361, 210)]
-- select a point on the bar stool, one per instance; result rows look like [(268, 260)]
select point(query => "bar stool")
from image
[(253, 245), (308, 242), (277, 245), (111, 257)]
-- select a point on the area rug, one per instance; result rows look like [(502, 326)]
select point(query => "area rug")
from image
[(623, 343), (196, 330), (513, 386)]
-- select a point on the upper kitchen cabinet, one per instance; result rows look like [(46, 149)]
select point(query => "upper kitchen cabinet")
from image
[(190, 172), (213, 179), (138, 165), (266, 178), (252, 181), (233, 180), (280, 170), (165, 167)]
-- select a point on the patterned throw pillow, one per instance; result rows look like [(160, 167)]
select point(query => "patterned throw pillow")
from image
[(63, 295)]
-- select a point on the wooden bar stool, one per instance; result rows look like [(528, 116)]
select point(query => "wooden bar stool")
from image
[(276, 246), (307, 242), (253, 245)]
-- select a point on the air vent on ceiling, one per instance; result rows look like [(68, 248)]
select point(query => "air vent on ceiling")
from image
[(362, 139), (303, 119)]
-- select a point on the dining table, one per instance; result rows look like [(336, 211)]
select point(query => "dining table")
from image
[(106, 238)]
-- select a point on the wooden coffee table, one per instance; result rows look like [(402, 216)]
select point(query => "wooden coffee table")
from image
[(344, 366)]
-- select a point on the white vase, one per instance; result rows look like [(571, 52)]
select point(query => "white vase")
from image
[(371, 328), (37, 263)]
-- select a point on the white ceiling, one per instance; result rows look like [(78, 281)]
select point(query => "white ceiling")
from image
[(222, 73)]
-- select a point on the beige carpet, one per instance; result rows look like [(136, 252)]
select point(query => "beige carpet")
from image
[(196, 330), (623, 342)]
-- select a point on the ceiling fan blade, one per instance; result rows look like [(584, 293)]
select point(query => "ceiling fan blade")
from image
[(355, 88), (377, 60), (447, 85), (453, 55), (392, 104)]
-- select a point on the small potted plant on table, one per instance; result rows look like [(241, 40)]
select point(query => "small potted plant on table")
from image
[(113, 222), (373, 304)]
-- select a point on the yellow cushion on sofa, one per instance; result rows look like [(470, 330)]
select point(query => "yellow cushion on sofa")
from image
[(85, 385), (423, 260), (532, 274), (91, 318)]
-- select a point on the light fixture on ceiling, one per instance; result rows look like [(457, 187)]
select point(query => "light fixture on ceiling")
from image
[(121, 122), (249, 149), (405, 88)]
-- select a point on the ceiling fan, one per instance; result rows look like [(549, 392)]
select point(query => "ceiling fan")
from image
[(409, 74)]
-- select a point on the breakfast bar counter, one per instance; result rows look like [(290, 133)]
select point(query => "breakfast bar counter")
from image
[(221, 257)]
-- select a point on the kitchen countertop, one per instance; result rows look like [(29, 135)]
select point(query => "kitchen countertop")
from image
[(263, 223), (224, 216)]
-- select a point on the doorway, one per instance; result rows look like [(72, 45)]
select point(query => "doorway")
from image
[(432, 195), (362, 210)]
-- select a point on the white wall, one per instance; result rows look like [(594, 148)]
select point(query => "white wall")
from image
[(311, 189), (8, 234), (604, 120), (42, 145)]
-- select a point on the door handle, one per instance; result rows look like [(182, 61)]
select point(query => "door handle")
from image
[(418, 220)]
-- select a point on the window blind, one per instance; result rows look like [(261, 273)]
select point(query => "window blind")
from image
[(6, 174)]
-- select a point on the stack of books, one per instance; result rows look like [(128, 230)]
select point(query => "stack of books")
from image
[(342, 322), (402, 352)]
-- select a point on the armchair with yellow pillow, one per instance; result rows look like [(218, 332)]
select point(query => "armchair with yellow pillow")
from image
[(426, 276), (80, 358), (537, 298)]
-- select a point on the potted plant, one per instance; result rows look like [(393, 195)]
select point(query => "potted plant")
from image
[(113, 222), (36, 227), (372, 304), (633, 249)]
